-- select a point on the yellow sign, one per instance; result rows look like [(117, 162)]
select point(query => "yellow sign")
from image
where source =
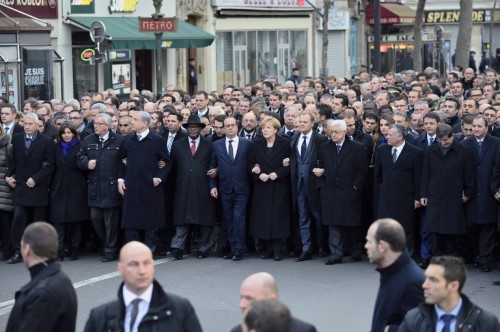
[(452, 16), (122, 6)]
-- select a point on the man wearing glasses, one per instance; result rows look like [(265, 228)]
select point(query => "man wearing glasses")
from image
[(100, 155)]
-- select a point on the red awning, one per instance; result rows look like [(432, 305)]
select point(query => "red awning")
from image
[(391, 13)]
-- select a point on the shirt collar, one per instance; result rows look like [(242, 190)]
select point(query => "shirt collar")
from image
[(400, 148), (454, 312), (308, 135), (105, 137), (235, 139), (144, 133), (128, 296)]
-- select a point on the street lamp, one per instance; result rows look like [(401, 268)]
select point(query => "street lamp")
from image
[(158, 15)]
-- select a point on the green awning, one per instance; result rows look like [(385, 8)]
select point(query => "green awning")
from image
[(123, 32)]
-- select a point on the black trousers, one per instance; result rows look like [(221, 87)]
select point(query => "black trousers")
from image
[(70, 235), (482, 239), (106, 223), (5, 230), (444, 244), (23, 215)]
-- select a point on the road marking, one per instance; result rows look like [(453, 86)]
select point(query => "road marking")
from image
[(6, 306)]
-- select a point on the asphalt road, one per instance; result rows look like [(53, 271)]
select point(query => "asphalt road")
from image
[(333, 298)]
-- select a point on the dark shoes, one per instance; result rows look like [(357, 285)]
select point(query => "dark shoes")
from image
[(266, 255), (108, 257), (178, 253), (333, 261), (17, 258), (202, 254), (322, 253), (305, 256), (237, 256)]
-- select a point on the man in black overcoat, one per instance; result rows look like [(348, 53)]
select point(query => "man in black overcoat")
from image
[(482, 211), (397, 180), (342, 172), (448, 182), (193, 204), (29, 173)]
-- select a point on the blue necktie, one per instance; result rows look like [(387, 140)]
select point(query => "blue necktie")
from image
[(303, 148), (27, 143), (447, 322), (230, 150)]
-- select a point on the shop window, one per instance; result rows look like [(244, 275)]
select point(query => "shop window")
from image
[(83, 73)]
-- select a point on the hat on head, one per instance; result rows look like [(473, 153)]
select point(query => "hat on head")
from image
[(194, 120)]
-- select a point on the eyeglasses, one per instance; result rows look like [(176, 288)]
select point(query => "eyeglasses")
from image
[(230, 125), (100, 124)]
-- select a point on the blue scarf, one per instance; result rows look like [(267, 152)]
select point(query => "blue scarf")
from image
[(67, 146)]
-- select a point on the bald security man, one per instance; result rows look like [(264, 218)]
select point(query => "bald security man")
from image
[(142, 304), (262, 286)]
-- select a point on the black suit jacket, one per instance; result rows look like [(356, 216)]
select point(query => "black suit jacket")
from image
[(296, 325), (398, 184), (36, 163)]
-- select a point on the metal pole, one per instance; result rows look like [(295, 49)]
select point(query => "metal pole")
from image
[(158, 64), (157, 15), (376, 37)]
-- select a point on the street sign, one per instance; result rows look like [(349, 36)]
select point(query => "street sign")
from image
[(147, 24), (97, 32), (87, 54)]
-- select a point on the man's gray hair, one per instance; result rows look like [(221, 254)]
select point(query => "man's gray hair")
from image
[(32, 116), (105, 117), (338, 123), (145, 116), (102, 108)]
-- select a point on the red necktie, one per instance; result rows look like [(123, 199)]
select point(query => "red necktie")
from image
[(193, 147)]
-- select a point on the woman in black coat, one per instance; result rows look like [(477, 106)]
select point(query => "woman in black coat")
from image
[(68, 204), (6, 205), (271, 201)]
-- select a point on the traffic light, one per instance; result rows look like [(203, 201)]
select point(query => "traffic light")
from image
[(486, 46)]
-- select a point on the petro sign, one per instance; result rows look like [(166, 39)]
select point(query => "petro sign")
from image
[(87, 54)]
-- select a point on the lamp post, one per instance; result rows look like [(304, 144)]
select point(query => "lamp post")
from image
[(158, 15)]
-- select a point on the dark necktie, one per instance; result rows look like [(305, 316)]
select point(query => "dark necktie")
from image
[(479, 146), (135, 311), (230, 150), (6, 130), (338, 148), (249, 136), (447, 322), (193, 147), (431, 140), (303, 148), (139, 137), (394, 155), (101, 140), (27, 143)]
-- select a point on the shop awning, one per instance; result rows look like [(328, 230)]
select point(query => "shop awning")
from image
[(123, 32), (391, 13)]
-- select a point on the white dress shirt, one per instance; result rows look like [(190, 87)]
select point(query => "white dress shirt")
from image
[(128, 297)]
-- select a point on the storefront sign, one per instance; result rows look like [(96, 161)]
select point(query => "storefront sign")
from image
[(147, 24), (37, 73), (122, 6), (82, 6), (452, 16), (37, 8), (426, 36), (337, 20), (249, 4), (121, 55), (87, 54)]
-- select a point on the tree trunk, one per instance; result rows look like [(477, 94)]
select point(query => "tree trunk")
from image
[(417, 32), (324, 52), (462, 52)]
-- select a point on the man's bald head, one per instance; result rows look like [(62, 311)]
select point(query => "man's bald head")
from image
[(136, 266), (258, 286)]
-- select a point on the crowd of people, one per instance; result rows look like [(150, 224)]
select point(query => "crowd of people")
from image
[(299, 168)]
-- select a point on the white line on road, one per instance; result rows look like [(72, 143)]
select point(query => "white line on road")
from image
[(6, 306)]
